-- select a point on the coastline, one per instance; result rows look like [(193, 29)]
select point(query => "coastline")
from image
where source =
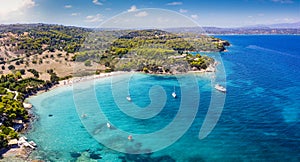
[(75, 80), (23, 153)]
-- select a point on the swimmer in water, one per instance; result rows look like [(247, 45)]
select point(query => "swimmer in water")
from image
[(130, 137)]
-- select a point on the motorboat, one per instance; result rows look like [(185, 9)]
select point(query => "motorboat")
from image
[(220, 88)]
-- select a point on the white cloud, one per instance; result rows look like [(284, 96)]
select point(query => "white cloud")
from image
[(94, 18), (283, 1), (132, 9), (288, 20), (75, 14), (16, 11), (15, 6), (183, 11), (174, 3), (261, 14), (194, 16), (96, 2), (89, 17), (68, 6), (141, 14)]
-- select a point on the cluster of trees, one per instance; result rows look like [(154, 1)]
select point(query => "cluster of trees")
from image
[(11, 106), (53, 77), (107, 48), (177, 42), (34, 72), (146, 59), (10, 110), (6, 133), (159, 52), (198, 61), (25, 86), (41, 37)]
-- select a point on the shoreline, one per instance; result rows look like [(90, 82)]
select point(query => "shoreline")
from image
[(24, 153), (76, 80)]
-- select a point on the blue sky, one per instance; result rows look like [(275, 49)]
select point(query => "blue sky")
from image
[(91, 13)]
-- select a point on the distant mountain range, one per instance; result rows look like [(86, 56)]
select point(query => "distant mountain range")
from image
[(282, 28), (295, 25)]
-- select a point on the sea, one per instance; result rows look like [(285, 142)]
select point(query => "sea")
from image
[(257, 119)]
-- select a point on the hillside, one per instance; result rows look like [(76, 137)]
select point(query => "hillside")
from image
[(157, 51), (64, 49)]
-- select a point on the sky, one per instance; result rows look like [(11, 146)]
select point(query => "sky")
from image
[(94, 13)]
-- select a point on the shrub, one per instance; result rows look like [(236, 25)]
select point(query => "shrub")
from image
[(11, 67), (34, 72), (2, 90), (22, 71), (87, 63)]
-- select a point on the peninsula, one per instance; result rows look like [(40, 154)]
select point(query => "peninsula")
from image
[(35, 57)]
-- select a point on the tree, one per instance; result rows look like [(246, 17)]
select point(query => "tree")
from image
[(34, 72), (2, 90), (22, 71), (18, 75), (54, 78), (51, 49), (3, 141), (87, 63), (11, 67)]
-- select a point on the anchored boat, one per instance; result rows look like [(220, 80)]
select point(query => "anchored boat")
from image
[(220, 88), (174, 93), (128, 98)]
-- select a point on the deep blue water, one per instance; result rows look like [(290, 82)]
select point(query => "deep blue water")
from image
[(259, 122)]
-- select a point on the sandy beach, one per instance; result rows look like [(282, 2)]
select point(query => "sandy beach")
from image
[(75, 80)]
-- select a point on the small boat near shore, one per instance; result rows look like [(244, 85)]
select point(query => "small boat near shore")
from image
[(174, 93), (128, 98), (220, 88)]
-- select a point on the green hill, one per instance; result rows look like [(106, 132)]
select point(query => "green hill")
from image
[(58, 48)]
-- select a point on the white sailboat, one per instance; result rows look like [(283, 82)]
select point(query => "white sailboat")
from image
[(174, 93)]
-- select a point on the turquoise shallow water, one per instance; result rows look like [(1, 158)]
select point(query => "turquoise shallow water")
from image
[(259, 122)]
